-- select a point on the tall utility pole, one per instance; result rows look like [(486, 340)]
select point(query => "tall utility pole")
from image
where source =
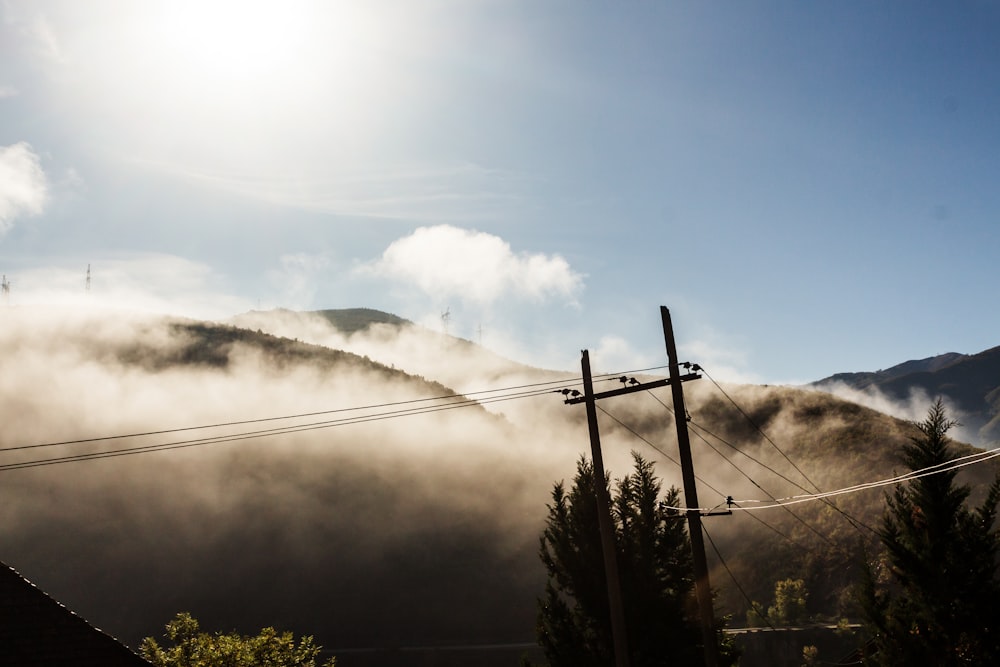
[(617, 609), (703, 590)]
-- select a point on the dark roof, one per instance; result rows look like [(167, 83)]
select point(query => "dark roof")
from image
[(37, 631)]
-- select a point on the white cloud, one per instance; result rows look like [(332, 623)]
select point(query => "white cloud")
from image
[(449, 262), (23, 186), (8, 91)]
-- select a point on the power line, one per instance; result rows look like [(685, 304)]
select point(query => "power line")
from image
[(573, 381), (722, 495), (532, 390), (936, 469), (786, 537), (663, 453), (856, 523), (759, 429), (753, 605), (125, 451), (795, 516), (540, 390)]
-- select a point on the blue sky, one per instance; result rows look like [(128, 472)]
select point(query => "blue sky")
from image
[(809, 187)]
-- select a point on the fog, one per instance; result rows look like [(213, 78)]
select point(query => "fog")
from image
[(404, 530), (418, 529), (912, 408)]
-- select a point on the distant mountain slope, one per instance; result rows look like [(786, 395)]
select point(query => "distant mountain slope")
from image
[(971, 383), (866, 379), (350, 320), (395, 342)]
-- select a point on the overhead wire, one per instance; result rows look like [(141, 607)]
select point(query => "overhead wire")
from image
[(936, 469), (753, 605), (456, 401), (463, 402), (759, 429), (791, 540), (463, 395), (855, 522), (812, 529), (662, 453), (267, 432)]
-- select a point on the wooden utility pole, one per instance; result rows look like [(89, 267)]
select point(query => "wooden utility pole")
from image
[(617, 609), (703, 590)]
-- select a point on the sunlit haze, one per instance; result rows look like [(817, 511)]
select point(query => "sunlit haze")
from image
[(810, 188)]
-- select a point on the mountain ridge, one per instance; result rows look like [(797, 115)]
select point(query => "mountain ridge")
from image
[(970, 383)]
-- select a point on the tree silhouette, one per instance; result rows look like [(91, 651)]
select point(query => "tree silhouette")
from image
[(930, 601), (654, 560)]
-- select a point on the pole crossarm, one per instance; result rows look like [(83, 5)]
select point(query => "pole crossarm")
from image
[(633, 388)]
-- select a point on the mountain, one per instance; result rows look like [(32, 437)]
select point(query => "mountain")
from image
[(382, 489), (393, 341), (352, 320), (970, 384)]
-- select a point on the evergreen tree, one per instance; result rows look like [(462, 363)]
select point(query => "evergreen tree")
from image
[(654, 561), (932, 602)]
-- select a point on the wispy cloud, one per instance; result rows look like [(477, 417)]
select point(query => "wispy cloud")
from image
[(35, 27), (438, 193), (23, 186), (8, 91), (449, 262)]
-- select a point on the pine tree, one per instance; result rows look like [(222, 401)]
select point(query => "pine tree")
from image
[(654, 561), (932, 603)]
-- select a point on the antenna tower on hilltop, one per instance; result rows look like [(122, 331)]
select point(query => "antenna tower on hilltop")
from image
[(445, 319), (5, 290)]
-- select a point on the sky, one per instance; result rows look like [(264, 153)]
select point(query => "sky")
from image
[(811, 188)]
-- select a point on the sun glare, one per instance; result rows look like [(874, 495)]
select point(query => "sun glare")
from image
[(256, 52), (236, 39), (207, 80)]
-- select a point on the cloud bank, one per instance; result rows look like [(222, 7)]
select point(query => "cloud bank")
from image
[(476, 267), (23, 185)]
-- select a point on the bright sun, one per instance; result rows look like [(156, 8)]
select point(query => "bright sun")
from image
[(235, 40), (211, 76)]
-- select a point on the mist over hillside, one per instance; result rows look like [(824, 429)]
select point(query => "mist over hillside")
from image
[(968, 383), (344, 493)]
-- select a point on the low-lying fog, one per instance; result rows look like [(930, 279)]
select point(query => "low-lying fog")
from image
[(401, 530)]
